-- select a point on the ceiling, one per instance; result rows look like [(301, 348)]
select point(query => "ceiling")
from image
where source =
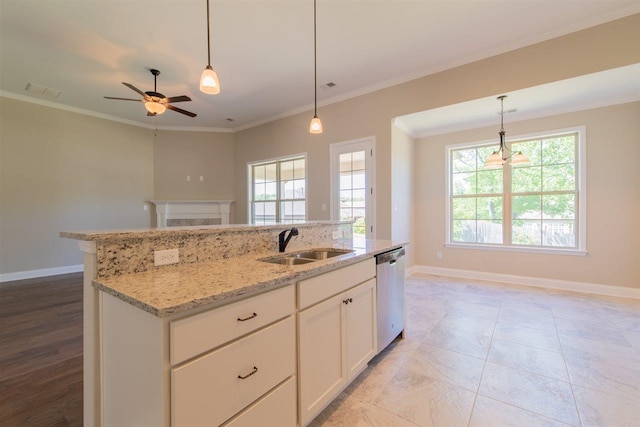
[(615, 86), (262, 50)]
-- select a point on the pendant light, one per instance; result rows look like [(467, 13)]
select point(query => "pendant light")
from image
[(315, 126), (499, 158), (209, 83)]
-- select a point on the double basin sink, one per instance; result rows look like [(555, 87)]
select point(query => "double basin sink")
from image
[(306, 256)]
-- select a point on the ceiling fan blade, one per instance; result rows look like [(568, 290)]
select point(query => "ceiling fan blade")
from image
[(135, 89), (180, 110), (123, 99), (181, 98)]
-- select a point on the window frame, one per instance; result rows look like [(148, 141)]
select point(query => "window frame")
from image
[(279, 199), (366, 144), (581, 196)]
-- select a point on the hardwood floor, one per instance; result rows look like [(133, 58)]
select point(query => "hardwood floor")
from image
[(41, 352)]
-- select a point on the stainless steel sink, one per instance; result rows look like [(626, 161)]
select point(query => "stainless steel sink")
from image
[(288, 260), (319, 254), (306, 256)]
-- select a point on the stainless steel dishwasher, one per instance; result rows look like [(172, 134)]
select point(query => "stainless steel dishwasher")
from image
[(390, 296)]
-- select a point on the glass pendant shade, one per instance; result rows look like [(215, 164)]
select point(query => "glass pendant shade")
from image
[(519, 159), (316, 125), (155, 107), (209, 83), (494, 161)]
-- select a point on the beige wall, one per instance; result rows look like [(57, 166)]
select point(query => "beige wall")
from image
[(66, 171), (599, 48), (180, 154), (613, 202), (402, 190), (62, 170)]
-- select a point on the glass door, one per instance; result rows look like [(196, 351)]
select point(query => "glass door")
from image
[(352, 186)]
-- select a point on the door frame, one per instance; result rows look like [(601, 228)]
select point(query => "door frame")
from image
[(361, 144)]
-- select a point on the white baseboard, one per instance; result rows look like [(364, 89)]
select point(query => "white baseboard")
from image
[(31, 274), (565, 285)]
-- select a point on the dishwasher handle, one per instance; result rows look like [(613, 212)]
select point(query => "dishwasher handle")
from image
[(390, 257)]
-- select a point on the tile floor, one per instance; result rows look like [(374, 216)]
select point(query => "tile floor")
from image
[(491, 354)]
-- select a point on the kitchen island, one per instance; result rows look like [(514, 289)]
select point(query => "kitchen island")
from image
[(156, 337)]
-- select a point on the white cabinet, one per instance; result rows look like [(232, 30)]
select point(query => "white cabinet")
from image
[(322, 366), (277, 408), (239, 364), (336, 336), (229, 364), (199, 333), (361, 325), (211, 389)]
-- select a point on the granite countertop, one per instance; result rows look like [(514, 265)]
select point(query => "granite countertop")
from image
[(170, 290), (146, 233)]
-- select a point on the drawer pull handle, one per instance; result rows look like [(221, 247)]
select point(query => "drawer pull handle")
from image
[(255, 369), (248, 318)]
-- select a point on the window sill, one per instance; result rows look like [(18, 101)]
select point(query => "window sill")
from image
[(523, 249)]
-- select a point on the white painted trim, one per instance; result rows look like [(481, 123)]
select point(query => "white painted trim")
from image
[(30, 274), (85, 112), (581, 193), (304, 155), (521, 249), (359, 144), (478, 56), (539, 282), (410, 270)]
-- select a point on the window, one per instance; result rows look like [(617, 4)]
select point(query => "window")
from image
[(539, 205), (353, 190), (351, 186), (278, 191)]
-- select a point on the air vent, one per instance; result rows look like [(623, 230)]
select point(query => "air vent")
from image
[(42, 90)]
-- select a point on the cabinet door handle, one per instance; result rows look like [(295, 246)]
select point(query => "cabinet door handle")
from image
[(248, 318), (350, 299), (346, 301), (255, 369)]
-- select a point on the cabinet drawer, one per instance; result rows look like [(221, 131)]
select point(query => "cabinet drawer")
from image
[(278, 408), (200, 333), (316, 289), (209, 390)]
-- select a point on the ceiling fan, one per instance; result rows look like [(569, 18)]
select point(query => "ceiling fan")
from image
[(155, 102)]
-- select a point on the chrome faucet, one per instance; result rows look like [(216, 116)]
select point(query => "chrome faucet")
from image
[(282, 242)]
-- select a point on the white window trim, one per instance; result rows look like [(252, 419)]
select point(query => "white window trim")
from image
[(272, 160), (582, 196)]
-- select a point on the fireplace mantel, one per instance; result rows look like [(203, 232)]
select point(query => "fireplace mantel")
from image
[(191, 212)]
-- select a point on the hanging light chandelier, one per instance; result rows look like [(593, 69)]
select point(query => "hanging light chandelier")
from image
[(209, 83), (315, 126), (500, 157)]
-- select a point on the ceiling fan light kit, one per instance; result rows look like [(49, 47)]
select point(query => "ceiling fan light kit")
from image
[(154, 107), (155, 102), (209, 82)]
